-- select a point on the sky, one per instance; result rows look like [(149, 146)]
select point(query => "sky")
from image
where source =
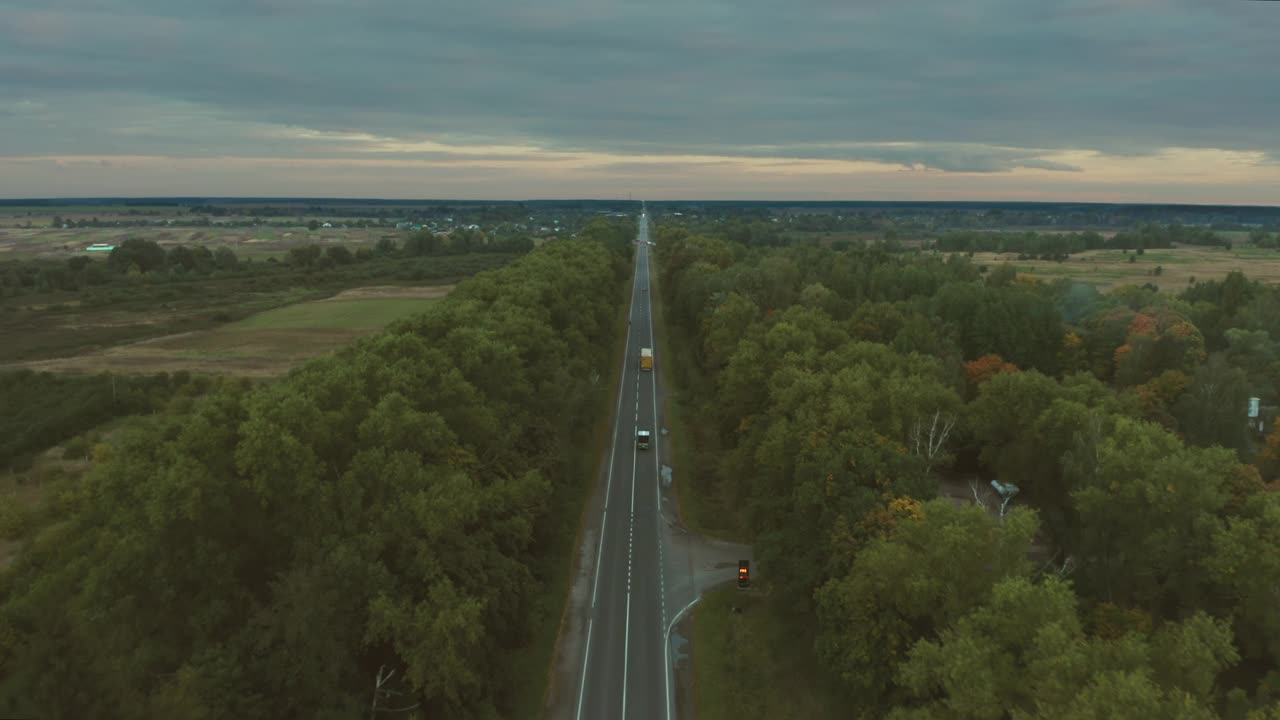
[(1075, 100)]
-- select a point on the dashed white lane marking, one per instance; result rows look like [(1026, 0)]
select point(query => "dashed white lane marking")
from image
[(608, 491)]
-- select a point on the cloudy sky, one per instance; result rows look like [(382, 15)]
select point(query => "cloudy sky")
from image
[(1104, 100)]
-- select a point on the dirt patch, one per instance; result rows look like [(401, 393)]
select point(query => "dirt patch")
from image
[(430, 292)]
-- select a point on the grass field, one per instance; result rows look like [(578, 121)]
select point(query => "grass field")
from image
[(262, 345), (59, 325), (1106, 269), (748, 663), (46, 324)]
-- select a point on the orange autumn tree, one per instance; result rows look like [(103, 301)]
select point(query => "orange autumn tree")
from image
[(1073, 356), (986, 367), (848, 536), (1157, 396), (1157, 340), (881, 521)]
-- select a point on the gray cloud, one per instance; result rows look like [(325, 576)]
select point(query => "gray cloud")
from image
[(979, 86), (951, 157)]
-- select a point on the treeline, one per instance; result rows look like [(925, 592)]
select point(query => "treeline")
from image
[(41, 410), (1052, 246), (139, 258), (832, 394), (384, 512)]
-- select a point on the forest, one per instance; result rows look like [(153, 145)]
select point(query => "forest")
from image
[(849, 410), (383, 518)]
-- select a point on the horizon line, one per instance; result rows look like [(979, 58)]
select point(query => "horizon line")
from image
[(284, 198)]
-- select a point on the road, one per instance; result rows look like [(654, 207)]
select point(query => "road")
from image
[(638, 569), (624, 663)]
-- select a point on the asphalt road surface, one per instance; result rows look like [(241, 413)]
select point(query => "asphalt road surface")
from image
[(624, 663), (639, 569)]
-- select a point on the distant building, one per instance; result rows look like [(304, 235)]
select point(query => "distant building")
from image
[(100, 247)]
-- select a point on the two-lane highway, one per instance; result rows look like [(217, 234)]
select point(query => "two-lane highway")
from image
[(624, 667)]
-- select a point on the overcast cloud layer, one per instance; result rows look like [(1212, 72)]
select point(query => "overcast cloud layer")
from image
[(1077, 99)]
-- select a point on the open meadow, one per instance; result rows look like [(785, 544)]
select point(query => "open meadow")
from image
[(1171, 270), (265, 344)]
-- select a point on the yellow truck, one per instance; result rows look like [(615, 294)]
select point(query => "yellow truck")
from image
[(646, 358)]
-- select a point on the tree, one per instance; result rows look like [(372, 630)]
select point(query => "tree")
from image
[(1007, 406), (145, 254), (876, 322), (773, 283), (910, 585), (180, 256), (1018, 322), (1258, 355), (986, 367), (203, 258), (1158, 339), (1073, 357), (1002, 276), (1148, 511), (1212, 412), (1245, 564), (1025, 654), (396, 494), (728, 323), (423, 242), (224, 258), (338, 254), (313, 225), (304, 256), (928, 438), (1269, 459), (930, 336)]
